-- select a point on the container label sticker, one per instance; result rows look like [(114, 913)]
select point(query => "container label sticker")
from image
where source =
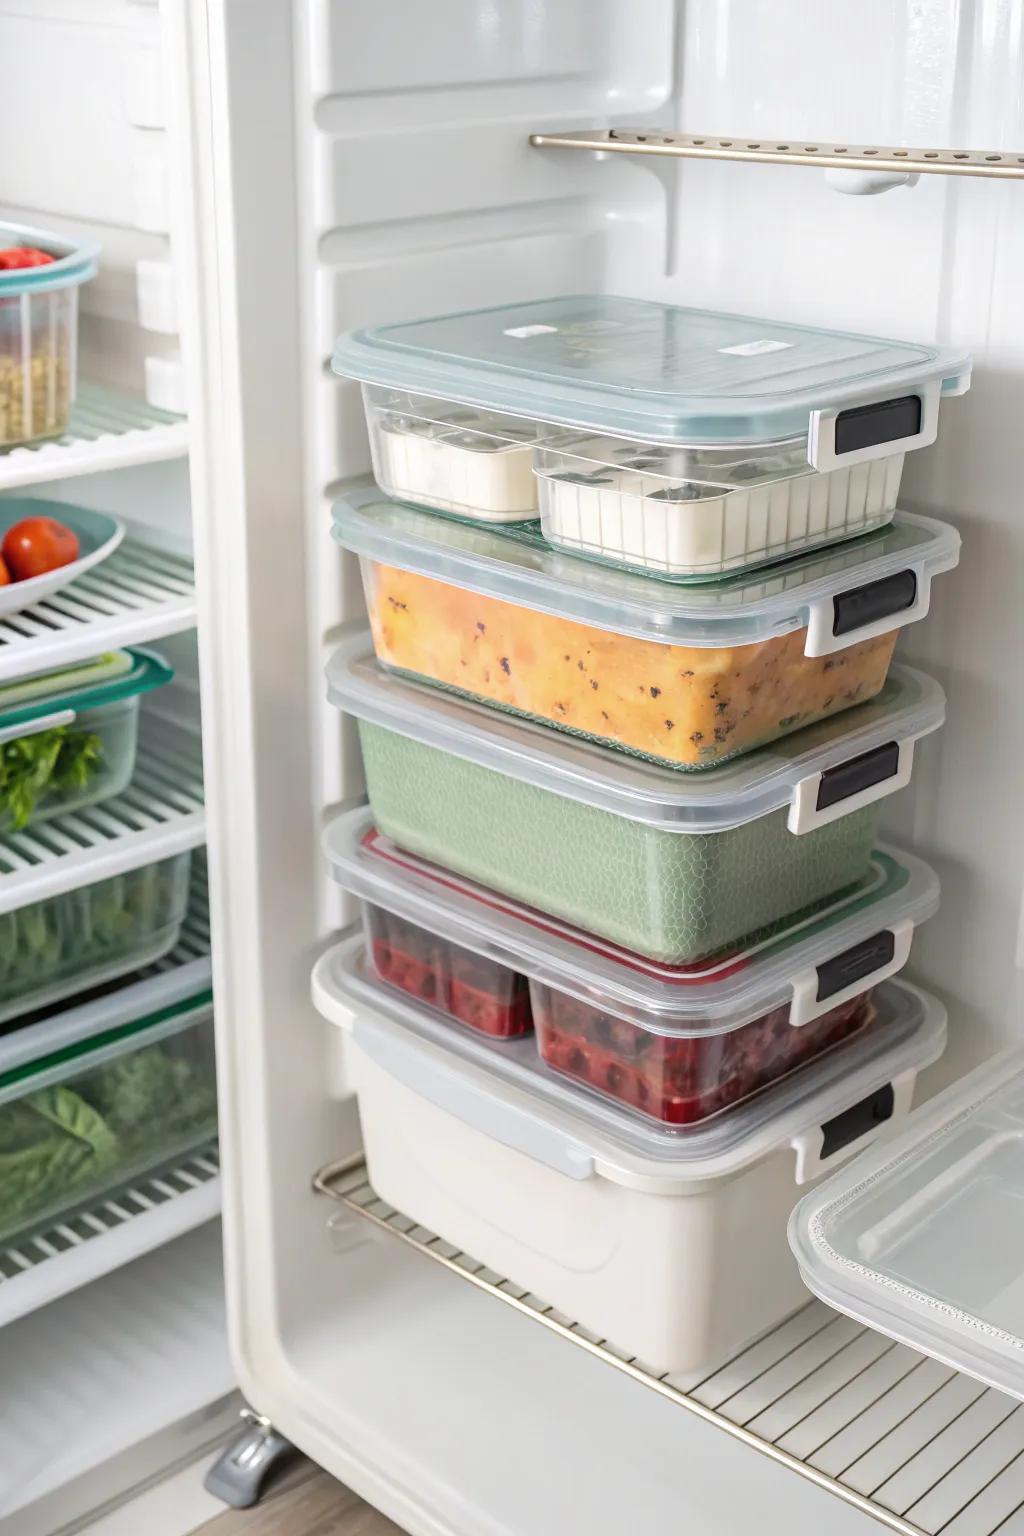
[(755, 348), (521, 332)]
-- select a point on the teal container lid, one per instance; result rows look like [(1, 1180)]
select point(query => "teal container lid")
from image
[(88, 685), (653, 372), (74, 260)]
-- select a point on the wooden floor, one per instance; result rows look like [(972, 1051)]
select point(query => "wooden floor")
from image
[(305, 1501)]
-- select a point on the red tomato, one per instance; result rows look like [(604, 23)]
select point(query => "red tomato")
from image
[(5, 575), (37, 545), (12, 256)]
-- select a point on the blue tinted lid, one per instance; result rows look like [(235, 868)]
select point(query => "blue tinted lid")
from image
[(74, 260), (642, 370)]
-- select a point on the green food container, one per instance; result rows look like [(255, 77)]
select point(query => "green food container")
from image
[(673, 867), (83, 1121), (68, 738)]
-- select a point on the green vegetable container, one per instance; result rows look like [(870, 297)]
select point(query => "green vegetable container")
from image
[(83, 1121), (68, 738), (90, 935), (674, 867)]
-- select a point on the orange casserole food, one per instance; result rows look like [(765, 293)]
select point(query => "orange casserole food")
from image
[(685, 705)]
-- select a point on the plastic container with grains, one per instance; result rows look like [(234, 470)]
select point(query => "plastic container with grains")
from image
[(686, 676), (672, 866), (595, 1210), (678, 441), (674, 1043), (40, 275)]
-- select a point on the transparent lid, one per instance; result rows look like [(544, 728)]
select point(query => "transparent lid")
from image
[(86, 685), (649, 371), (910, 1032), (847, 939), (845, 592), (788, 772), (923, 1239), (74, 260)]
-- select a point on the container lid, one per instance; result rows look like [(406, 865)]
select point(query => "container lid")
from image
[(649, 371), (86, 685), (923, 1240), (508, 1091), (841, 595), (810, 967), (820, 773), (75, 260), (51, 1065)]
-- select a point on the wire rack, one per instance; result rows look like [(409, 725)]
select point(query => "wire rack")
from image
[(136, 594), (918, 1446), (107, 430), (95, 1238)]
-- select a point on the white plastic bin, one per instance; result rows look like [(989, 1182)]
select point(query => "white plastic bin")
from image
[(673, 1249), (678, 441)]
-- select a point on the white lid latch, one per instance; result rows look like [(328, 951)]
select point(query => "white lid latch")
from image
[(826, 796)]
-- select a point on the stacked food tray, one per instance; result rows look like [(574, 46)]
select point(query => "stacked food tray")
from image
[(628, 711)]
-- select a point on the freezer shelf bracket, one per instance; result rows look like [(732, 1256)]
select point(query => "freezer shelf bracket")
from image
[(919, 1447), (1006, 165)]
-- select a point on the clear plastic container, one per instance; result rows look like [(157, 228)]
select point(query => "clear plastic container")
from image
[(68, 738), (593, 1209), (50, 949), (779, 437), (678, 1044), (470, 463), (672, 866), (922, 1240), (695, 514), (39, 333), (78, 1123), (685, 676), (467, 986)]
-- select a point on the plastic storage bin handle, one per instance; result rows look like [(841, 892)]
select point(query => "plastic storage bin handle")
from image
[(845, 976), (514, 1125), (874, 429), (861, 613), (824, 797), (824, 1147), (33, 727)]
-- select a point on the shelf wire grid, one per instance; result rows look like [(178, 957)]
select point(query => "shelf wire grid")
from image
[(918, 1446), (107, 430), (135, 595)]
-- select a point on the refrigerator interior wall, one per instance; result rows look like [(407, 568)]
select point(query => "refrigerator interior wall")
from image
[(388, 174), (84, 103)]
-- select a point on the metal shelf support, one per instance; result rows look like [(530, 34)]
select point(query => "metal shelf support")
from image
[(997, 164)]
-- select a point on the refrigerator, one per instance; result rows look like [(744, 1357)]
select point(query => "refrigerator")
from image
[(261, 177)]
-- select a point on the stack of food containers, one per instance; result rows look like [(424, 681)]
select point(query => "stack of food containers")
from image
[(627, 718)]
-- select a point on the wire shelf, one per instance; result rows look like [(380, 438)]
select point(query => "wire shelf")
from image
[(919, 1447), (136, 594), (107, 430), (109, 1231)]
